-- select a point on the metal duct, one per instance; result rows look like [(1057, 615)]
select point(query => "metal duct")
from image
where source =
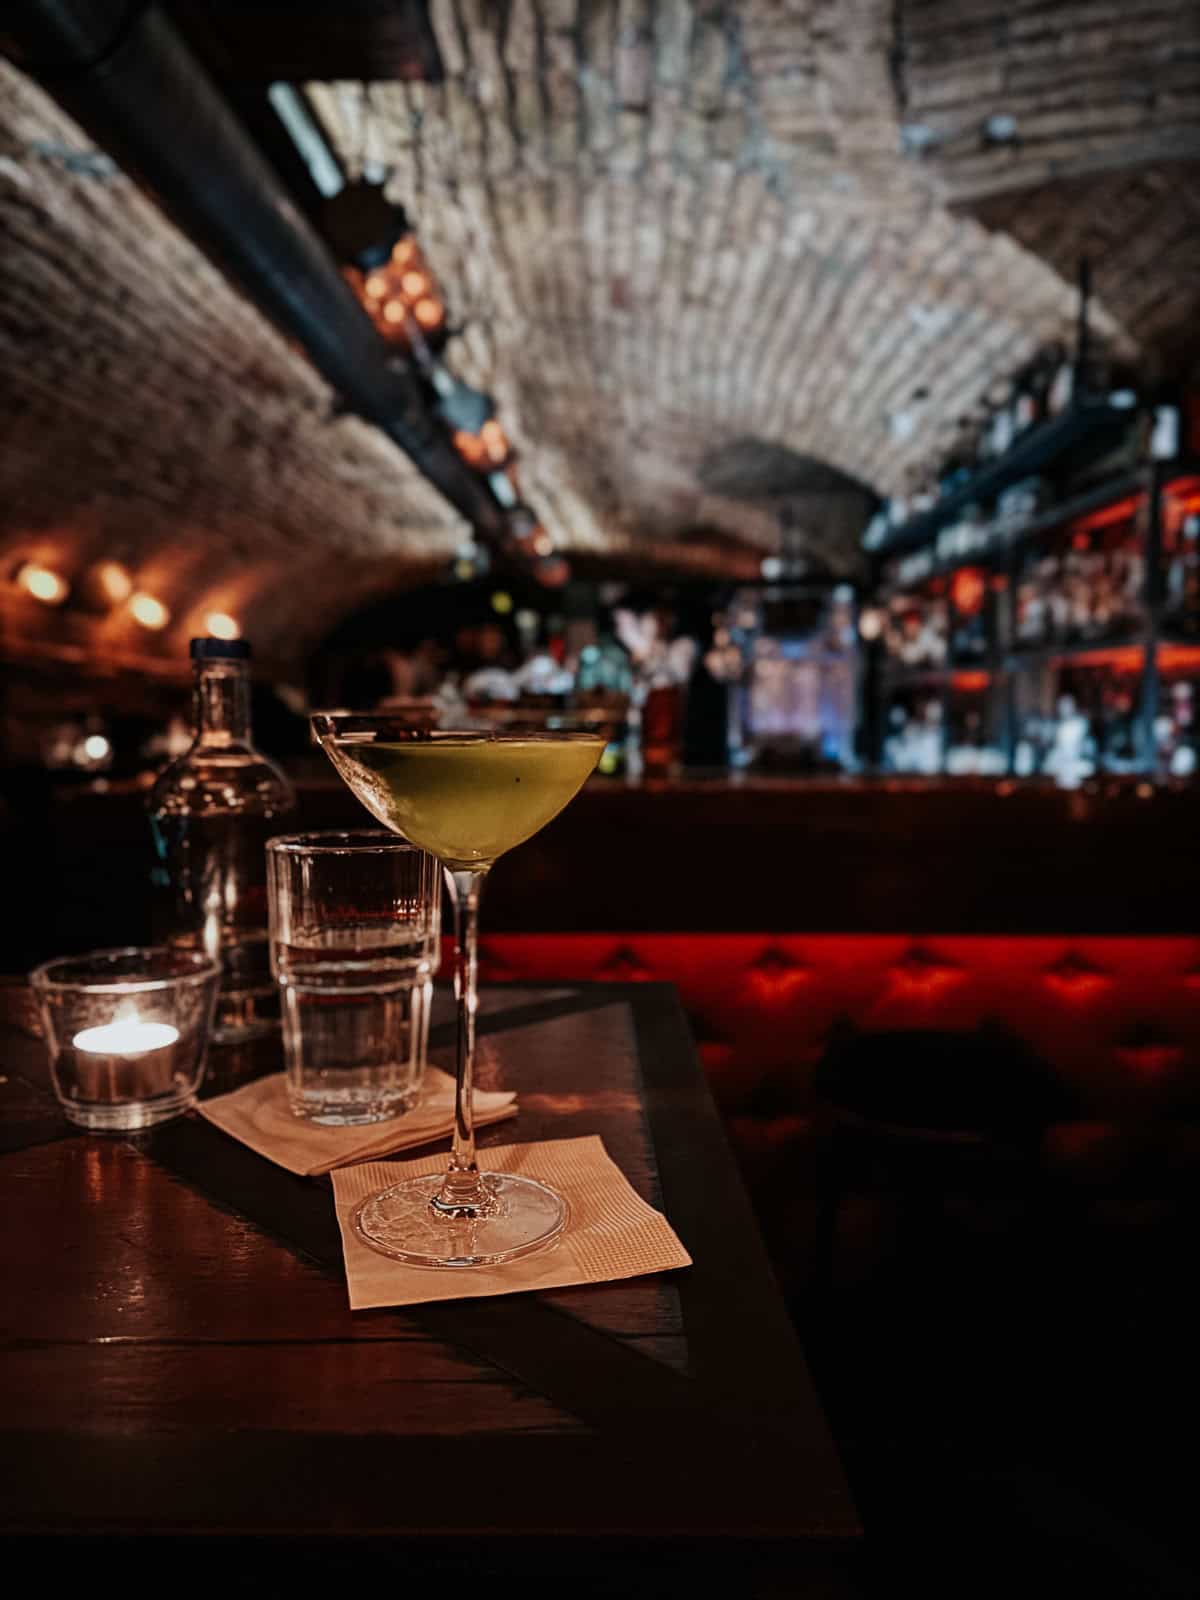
[(123, 71)]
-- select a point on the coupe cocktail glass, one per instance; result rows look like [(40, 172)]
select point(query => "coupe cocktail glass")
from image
[(466, 797)]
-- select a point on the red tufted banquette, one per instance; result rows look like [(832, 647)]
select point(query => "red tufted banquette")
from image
[(1118, 1017)]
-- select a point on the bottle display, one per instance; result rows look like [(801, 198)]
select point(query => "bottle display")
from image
[(916, 631), (915, 740), (1076, 721), (944, 621), (970, 631), (1181, 559), (1176, 735), (212, 811), (952, 730), (1084, 584), (974, 747)]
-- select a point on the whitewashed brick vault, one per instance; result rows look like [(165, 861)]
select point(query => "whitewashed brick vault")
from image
[(674, 231)]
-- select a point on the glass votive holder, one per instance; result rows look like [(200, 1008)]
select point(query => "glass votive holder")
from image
[(127, 1032)]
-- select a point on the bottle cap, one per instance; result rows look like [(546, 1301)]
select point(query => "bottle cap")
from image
[(219, 650)]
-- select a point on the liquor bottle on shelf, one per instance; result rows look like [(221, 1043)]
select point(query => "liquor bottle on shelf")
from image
[(915, 741), (917, 629), (1029, 752), (1072, 754), (1021, 500), (1061, 390), (1176, 732), (1118, 740), (1182, 598), (1003, 428), (969, 642), (212, 811), (1025, 408), (1029, 629), (1165, 434)]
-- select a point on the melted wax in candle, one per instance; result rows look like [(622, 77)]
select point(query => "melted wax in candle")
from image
[(126, 1038)]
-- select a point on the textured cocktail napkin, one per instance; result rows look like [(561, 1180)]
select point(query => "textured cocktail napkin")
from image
[(259, 1115), (611, 1233)]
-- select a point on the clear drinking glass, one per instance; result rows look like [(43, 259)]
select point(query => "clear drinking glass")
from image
[(127, 1031), (467, 797), (355, 924)]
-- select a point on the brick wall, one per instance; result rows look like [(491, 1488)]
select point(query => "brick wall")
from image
[(151, 415)]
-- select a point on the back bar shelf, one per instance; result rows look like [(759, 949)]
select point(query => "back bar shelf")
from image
[(1064, 645)]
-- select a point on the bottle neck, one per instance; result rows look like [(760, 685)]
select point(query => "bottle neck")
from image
[(221, 703)]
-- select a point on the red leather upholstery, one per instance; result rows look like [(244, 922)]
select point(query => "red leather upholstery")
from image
[(1118, 1017)]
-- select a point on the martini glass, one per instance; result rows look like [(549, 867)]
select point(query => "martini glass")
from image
[(466, 797)]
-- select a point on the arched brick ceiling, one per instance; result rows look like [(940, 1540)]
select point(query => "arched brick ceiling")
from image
[(1100, 102), (1086, 84), (1140, 229), (672, 225), (668, 226), (150, 415)]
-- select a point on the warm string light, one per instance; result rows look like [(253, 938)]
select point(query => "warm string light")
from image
[(400, 293), (222, 626), (495, 443), (488, 450), (43, 584), (149, 611), (114, 583), (470, 447)]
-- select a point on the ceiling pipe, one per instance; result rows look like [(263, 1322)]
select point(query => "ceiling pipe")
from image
[(124, 73)]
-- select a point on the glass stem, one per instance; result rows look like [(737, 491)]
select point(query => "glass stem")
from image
[(462, 1193)]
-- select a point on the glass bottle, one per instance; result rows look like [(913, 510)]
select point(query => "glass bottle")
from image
[(212, 811)]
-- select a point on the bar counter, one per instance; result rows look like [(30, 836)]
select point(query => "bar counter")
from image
[(777, 855), (703, 854)]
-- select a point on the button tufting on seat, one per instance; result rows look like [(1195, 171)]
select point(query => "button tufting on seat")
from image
[(625, 965), (774, 975), (762, 1004), (1148, 1051), (1074, 976), (922, 972)]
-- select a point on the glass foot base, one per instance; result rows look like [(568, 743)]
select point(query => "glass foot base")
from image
[(400, 1223), (349, 1108), (130, 1117)]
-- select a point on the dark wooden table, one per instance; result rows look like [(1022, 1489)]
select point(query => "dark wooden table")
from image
[(180, 1359)]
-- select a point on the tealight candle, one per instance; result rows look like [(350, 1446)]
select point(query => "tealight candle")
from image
[(126, 1038), (123, 1060)]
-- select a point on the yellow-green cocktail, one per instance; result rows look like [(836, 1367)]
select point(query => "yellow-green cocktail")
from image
[(467, 798)]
